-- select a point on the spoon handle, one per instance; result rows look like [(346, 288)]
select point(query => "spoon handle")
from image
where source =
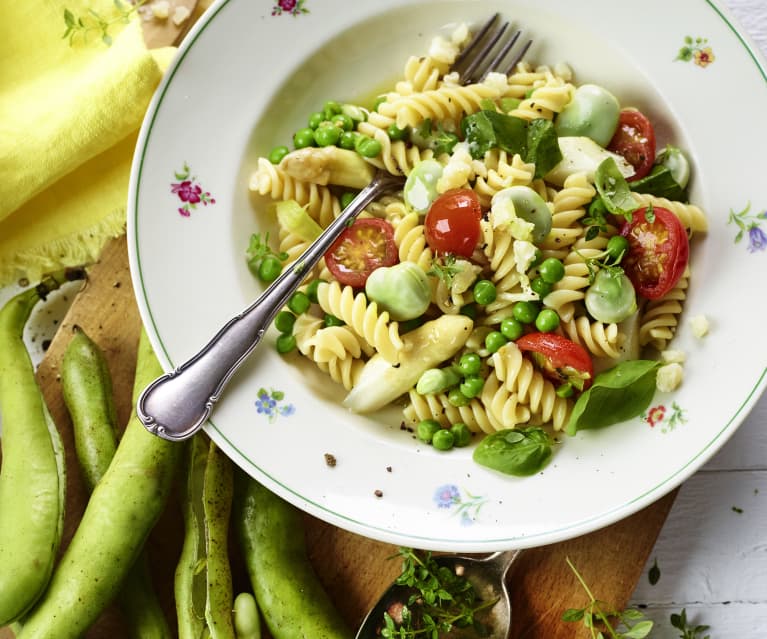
[(177, 404)]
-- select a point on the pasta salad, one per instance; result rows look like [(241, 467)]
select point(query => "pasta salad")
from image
[(526, 280)]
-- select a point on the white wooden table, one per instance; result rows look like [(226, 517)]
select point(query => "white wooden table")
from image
[(712, 552)]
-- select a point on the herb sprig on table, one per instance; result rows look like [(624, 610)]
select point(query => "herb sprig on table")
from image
[(441, 599), (605, 622)]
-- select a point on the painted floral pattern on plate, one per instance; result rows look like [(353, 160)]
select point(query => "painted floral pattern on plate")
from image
[(189, 191)]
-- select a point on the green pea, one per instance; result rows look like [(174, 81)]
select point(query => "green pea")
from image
[(552, 270), (617, 246), (269, 269), (343, 121), (443, 439), (469, 310), (525, 312), (378, 102), (395, 133), (315, 119), (426, 429), (494, 340), (277, 153), (537, 259), (303, 138), (484, 292), (512, 328), (471, 386), (457, 398), (299, 302), (332, 320), (461, 434), (367, 147), (348, 139), (331, 108), (284, 321), (327, 135), (541, 286), (286, 343), (469, 364), (547, 320), (311, 290)]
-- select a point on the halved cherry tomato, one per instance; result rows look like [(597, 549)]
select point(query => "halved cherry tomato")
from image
[(634, 139), (452, 223), (360, 249), (561, 360), (658, 251)]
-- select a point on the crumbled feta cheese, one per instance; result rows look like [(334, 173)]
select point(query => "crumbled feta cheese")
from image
[(669, 377), (460, 34), (498, 81), (180, 15), (673, 356), (442, 50), (452, 78), (457, 171), (161, 9), (699, 325), (524, 255)]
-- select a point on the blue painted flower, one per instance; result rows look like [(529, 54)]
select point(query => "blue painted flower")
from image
[(287, 410), (447, 495), (265, 404), (757, 239)]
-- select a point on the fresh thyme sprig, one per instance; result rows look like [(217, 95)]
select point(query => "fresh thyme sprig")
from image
[(441, 600), (445, 268), (92, 21), (604, 622)]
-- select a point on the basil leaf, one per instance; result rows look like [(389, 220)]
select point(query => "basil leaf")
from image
[(614, 190), (542, 146), (514, 451), (487, 130), (618, 394), (660, 182)]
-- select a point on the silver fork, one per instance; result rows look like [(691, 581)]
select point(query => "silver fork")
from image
[(177, 404)]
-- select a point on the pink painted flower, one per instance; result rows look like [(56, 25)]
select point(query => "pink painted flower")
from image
[(287, 5), (655, 415), (187, 191)]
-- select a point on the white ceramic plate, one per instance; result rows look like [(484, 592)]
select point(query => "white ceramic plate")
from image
[(246, 77)]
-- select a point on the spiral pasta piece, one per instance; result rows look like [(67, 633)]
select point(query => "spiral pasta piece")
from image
[(598, 338), (310, 340), (397, 157), (438, 407), (523, 79), (520, 376), (363, 317), (660, 318), (421, 74), (546, 100), (568, 207), (496, 173), (319, 201), (692, 217), (448, 102), (503, 406), (410, 239)]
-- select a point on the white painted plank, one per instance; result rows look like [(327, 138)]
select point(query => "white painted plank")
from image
[(726, 621)]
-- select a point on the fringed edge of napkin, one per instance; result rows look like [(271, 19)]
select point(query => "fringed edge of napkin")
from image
[(77, 249)]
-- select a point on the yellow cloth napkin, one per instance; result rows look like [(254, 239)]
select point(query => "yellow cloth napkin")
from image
[(69, 116)]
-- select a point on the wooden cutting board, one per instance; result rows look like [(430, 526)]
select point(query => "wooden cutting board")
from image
[(355, 570)]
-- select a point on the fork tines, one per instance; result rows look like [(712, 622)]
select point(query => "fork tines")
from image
[(489, 50)]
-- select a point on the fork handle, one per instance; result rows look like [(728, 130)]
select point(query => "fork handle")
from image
[(176, 405)]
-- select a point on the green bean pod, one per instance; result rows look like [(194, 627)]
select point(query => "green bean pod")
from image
[(203, 582), (290, 596), (32, 480), (86, 386), (247, 621), (121, 512)]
